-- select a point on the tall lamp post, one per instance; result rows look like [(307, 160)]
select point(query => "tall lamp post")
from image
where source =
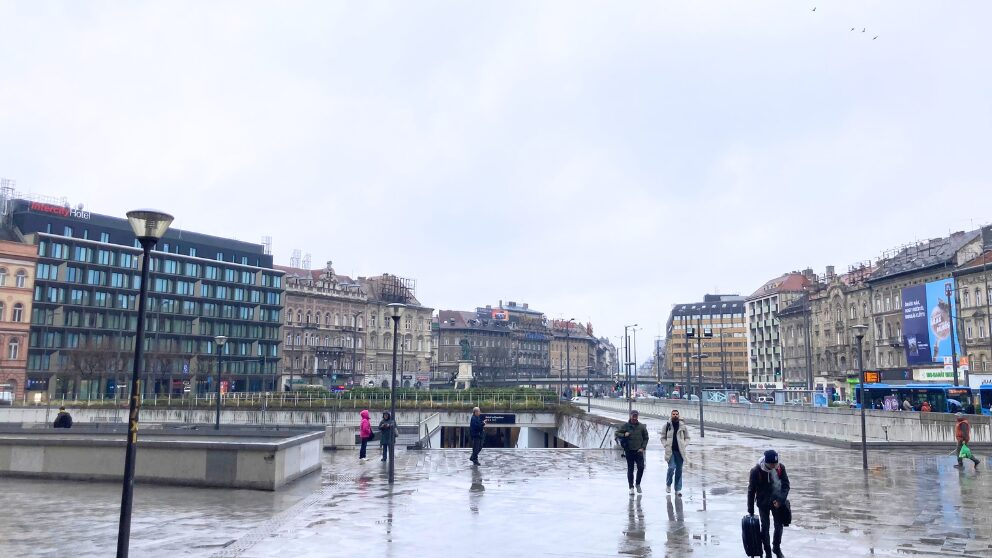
[(568, 356), (149, 226), (396, 308), (220, 340), (859, 335), (354, 344), (949, 290), (626, 366), (702, 427)]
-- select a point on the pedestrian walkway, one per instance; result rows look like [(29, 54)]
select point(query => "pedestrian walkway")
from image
[(525, 503)]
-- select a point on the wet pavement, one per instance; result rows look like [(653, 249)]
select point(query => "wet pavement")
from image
[(526, 503)]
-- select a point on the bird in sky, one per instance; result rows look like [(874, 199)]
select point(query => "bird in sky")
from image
[(863, 29), (875, 37), (852, 29), (814, 9)]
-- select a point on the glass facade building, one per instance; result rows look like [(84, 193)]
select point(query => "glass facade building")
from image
[(84, 312)]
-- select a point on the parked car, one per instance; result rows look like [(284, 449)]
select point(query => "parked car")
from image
[(743, 400), (691, 397), (765, 399)]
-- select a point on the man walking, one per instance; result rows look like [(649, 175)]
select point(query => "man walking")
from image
[(675, 438), (962, 432), (633, 438), (768, 487), (477, 431)]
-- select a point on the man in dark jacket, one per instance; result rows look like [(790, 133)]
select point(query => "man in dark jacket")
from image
[(63, 419), (768, 487), (633, 438), (387, 436), (477, 431)]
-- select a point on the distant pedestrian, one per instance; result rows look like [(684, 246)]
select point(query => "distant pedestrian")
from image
[(675, 438), (477, 432), (633, 438), (768, 487), (365, 433), (925, 407), (906, 406), (387, 435), (63, 419), (962, 433), (969, 409)]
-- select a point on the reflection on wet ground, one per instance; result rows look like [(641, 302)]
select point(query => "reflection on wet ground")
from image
[(526, 503)]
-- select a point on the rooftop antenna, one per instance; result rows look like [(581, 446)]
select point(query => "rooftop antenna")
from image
[(294, 261), (267, 245), (306, 261)]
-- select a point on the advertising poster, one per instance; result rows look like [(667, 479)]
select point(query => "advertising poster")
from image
[(939, 312), (916, 324), (926, 317)]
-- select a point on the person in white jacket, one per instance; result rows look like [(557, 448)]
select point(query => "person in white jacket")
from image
[(675, 439)]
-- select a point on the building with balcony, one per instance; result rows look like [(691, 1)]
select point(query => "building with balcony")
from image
[(765, 362), (414, 335), (974, 283), (84, 307)]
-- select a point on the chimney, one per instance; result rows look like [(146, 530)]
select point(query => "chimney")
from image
[(830, 272)]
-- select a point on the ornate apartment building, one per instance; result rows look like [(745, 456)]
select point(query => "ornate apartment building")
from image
[(17, 268), (324, 328), (414, 351), (974, 283)]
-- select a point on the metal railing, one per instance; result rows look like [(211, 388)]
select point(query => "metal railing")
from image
[(420, 399)]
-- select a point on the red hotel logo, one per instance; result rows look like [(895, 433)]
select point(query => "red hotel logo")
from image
[(59, 210)]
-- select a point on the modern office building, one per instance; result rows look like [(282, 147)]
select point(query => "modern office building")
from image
[(84, 311), (724, 350)]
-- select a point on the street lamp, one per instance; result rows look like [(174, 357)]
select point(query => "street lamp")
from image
[(859, 335), (568, 355), (220, 340), (626, 365), (354, 343), (948, 289), (396, 308), (702, 427), (148, 226)]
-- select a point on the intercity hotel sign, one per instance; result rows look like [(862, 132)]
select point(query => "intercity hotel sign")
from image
[(59, 210)]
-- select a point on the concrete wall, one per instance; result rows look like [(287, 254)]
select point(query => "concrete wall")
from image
[(841, 427), (215, 462), (589, 432)]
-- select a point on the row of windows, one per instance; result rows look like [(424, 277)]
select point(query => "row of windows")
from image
[(16, 314), (315, 341), (339, 320), (20, 278)]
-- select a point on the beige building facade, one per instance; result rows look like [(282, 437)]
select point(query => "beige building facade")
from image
[(17, 269)]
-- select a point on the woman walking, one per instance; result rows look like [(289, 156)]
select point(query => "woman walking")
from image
[(365, 433)]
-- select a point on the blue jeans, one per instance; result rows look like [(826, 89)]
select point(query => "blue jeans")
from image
[(675, 470)]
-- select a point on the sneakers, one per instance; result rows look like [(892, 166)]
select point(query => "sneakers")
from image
[(678, 493), (959, 466), (632, 490), (977, 461), (638, 488), (668, 489)]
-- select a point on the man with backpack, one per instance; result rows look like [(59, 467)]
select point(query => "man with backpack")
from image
[(633, 438), (768, 487)]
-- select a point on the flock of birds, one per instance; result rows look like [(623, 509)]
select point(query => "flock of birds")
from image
[(863, 29)]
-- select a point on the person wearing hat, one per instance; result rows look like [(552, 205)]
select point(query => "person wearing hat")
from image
[(63, 419), (768, 487), (633, 438), (962, 433)]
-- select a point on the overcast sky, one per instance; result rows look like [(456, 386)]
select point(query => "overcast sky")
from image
[(600, 161)]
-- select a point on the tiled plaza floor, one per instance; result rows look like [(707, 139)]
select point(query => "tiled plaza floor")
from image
[(525, 503)]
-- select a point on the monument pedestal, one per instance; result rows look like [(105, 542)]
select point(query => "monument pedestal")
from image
[(464, 378)]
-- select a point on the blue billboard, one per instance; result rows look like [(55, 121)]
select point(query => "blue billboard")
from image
[(926, 317)]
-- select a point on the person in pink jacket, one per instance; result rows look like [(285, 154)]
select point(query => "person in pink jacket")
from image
[(365, 433)]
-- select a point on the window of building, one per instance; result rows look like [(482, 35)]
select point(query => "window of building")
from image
[(18, 313), (20, 278), (978, 297), (965, 298), (13, 348)]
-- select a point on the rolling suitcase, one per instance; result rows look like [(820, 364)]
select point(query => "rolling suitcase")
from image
[(751, 533)]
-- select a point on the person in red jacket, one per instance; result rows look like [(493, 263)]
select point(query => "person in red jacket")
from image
[(962, 433), (365, 433)]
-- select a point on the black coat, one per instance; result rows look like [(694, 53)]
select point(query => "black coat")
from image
[(63, 420), (761, 488), (477, 428)]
